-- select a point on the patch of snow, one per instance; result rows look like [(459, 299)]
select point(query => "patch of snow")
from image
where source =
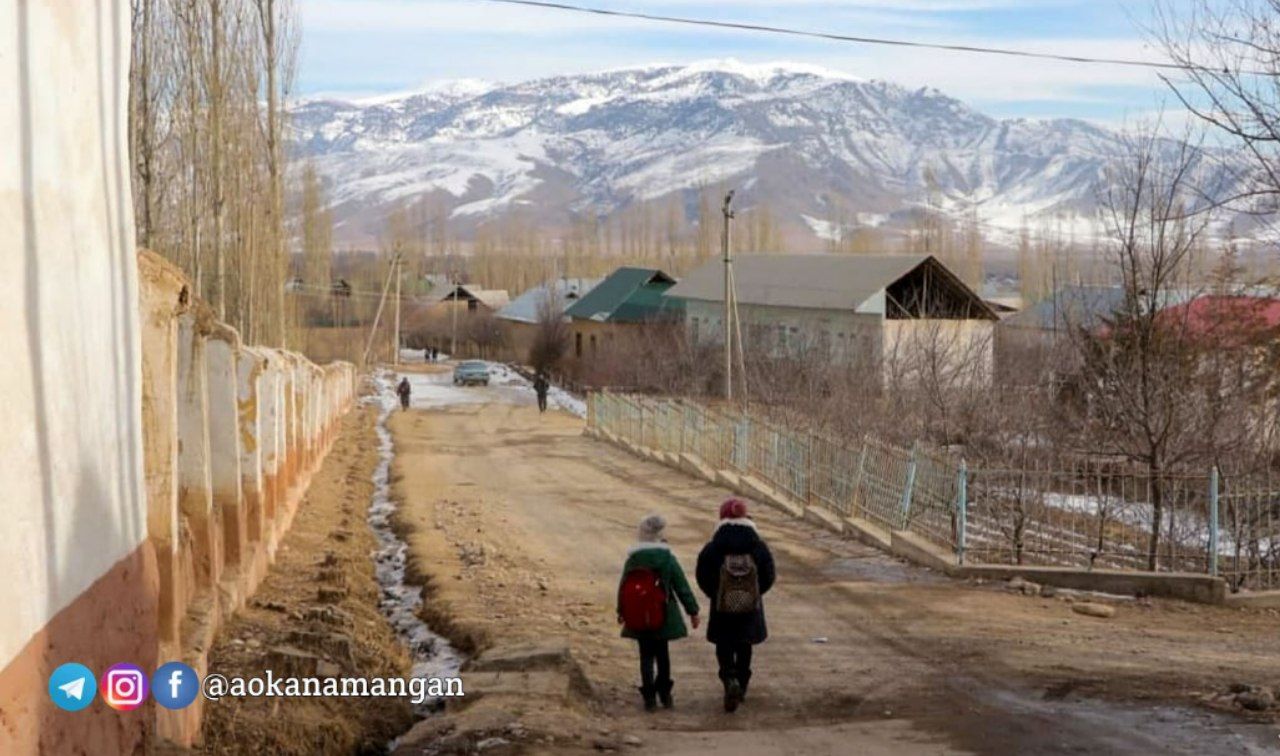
[(578, 107), (433, 656), (556, 396), (823, 229)]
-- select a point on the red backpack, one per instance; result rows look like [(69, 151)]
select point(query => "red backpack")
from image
[(643, 600)]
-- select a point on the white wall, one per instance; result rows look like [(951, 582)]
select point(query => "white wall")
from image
[(849, 336), (71, 448)]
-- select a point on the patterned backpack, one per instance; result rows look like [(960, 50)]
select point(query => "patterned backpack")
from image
[(739, 591)]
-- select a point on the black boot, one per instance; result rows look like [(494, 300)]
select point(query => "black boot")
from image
[(650, 697), (664, 693), (732, 695), (743, 679)]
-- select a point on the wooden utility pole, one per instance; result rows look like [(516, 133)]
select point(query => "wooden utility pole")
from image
[(728, 300), (453, 342), (377, 318), (398, 271)]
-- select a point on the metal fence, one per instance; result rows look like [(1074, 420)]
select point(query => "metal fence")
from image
[(1090, 516)]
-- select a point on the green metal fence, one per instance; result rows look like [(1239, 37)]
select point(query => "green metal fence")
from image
[(1090, 516)]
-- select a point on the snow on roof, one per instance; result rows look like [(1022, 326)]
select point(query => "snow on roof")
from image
[(526, 308)]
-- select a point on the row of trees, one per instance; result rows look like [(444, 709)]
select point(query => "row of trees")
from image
[(209, 84)]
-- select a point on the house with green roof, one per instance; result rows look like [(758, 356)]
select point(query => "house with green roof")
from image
[(626, 300)]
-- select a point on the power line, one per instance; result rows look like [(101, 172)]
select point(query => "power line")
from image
[(740, 26)]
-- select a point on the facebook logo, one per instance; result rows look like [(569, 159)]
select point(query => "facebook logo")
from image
[(175, 685)]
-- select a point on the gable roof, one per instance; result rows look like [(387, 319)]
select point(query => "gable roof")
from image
[(1086, 306), (526, 308), (494, 299), (1083, 305), (627, 295), (814, 281), (1230, 319)]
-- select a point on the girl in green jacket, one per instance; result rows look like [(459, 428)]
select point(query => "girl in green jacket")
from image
[(654, 555)]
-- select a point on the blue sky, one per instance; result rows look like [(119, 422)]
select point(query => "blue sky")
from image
[(364, 47)]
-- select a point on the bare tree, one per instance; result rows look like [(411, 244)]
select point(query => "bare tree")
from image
[(1138, 373), (210, 79), (551, 340), (1230, 52)]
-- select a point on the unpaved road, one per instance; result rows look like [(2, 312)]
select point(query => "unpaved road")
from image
[(519, 525)]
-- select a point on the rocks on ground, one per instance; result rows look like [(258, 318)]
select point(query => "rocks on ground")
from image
[(1091, 609)]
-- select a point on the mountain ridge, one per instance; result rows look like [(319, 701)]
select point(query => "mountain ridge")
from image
[(865, 151)]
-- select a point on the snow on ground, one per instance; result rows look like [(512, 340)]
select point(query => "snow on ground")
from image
[(433, 656), (435, 390), (557, 397)]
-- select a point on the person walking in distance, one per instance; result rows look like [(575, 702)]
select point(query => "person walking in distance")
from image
[(540, 387), (735, 570), (403, 390), (652, 591)]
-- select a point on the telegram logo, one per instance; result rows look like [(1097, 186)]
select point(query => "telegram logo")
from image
[(72, 687)]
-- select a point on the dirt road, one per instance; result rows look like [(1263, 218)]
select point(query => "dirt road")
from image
[(519, 525)]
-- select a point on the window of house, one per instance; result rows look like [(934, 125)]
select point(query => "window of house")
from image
[(577, 345)]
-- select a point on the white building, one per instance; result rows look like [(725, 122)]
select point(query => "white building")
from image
[(892, 314)]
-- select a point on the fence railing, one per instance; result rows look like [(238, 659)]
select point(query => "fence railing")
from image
[(1090, 516)]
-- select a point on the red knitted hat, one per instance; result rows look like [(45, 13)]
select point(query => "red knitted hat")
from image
[(733, 509)]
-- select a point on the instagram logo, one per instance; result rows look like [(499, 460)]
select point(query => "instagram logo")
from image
[(124, 687)]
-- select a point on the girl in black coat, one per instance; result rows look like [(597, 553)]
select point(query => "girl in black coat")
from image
[(735, 634)]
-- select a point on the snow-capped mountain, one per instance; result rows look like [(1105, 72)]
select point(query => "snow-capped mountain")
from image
[(825, 152)]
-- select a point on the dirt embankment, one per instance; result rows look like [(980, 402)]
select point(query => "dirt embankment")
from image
[(316, 613), (519, 526)]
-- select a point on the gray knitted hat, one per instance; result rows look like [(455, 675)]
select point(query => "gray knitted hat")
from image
[(651, 528)]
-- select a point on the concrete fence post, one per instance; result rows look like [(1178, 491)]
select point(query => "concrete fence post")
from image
[(810, 467), (962, 509), (225, 436), (855, 507), (1213, 521), (907, 490), (195, 484)]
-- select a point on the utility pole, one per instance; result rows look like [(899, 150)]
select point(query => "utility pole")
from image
[(398, 267), (728, 299), (377, 318), (453, 339)]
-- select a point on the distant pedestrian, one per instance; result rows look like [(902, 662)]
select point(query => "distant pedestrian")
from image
[(650, 594), (735, 570), (435, 354), (540, 387), (426, 354), (403, 390)]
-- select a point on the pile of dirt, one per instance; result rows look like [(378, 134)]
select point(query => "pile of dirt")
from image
[(317, 614)]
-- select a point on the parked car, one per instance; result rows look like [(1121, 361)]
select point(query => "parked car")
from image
[(471, 373)]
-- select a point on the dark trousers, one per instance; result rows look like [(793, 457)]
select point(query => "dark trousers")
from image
[(735, 661), (654, 653), (542, 402)]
